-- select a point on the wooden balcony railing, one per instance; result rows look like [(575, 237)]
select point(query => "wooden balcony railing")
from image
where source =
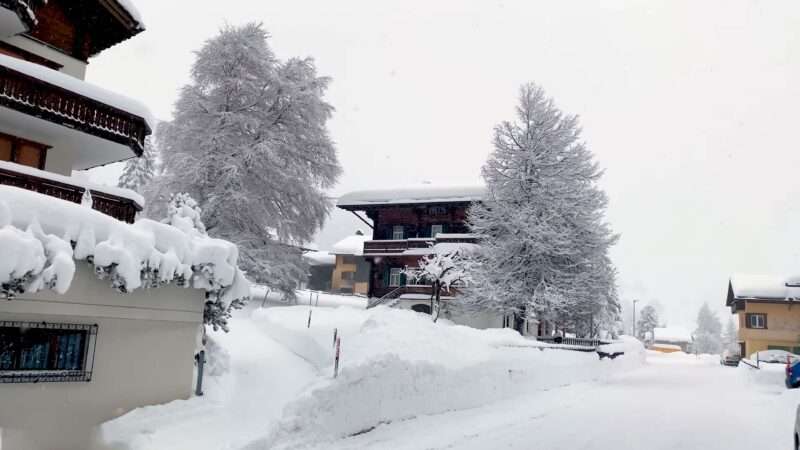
[(398, 246), (38, 98), (120, 208)]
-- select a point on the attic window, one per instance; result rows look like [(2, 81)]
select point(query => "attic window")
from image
[(437, 210)]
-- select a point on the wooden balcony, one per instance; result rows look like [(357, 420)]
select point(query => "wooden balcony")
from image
[(120, 208), (398, 247), (35, 97)]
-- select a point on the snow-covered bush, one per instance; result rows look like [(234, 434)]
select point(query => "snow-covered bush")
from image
[(42, 237), (443, 269)]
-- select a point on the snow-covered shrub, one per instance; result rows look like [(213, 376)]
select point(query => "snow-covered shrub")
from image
[(145, 254)]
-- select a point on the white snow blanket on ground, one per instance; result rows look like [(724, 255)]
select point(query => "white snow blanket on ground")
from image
[(395, 365)]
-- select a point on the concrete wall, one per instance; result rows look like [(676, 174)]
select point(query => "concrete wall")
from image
[(71, 66), (144, 355), (783, 326)]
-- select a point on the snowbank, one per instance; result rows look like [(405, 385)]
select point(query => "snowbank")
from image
[(395, 364), (398, 364)]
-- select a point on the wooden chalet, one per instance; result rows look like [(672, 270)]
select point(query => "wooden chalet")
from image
[(406, 225), (53, 122)]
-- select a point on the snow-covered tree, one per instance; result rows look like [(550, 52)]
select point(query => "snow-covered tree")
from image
[(442, 270), (184, 214), (543, 236), (648, 321), (249, 141), (730, 339), (139, 171), (707, 336)]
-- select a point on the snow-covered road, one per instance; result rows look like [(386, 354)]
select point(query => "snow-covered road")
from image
[(674, 402)]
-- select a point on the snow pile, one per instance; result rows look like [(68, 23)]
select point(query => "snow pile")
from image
[(317, 258), (398, 364), (671, 335), (764, 286), (351, 245), (144, 254)]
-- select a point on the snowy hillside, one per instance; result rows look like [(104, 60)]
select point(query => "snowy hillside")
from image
[(275, 389)]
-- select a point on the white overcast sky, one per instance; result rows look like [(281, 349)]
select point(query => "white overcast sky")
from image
[(690, 106)]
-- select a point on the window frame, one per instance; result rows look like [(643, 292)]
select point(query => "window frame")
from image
[(84, 373), (17, 142), (398, 230), (749, 321), (398, 272), (441, 229)]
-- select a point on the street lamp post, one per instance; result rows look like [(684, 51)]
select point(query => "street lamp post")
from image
[(634, 317)]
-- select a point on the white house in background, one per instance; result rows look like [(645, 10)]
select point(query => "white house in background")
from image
[(671, 339), (98, 314)]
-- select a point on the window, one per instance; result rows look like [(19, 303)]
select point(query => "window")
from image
[(398, 232), (23, 152), (756, 320), (33, 352), (395, 276), (436, 229), (437, 211)]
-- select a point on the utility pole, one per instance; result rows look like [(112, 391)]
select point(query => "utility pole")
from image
[(634, 317)]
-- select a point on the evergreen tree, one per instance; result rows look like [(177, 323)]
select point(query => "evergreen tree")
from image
[(544, 239), (249, 141), (707, 336), (139, 171), (648, 321), (730, 338)]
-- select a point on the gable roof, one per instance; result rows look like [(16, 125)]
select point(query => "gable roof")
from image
[(424, 194), (762, 287)]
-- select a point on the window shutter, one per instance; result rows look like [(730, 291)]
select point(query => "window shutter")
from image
[(385, 276), (765, 321)]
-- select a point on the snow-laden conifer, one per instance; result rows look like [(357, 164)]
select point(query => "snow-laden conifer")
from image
[(249, 141), (708, 335), (139, 171), (543, 235)]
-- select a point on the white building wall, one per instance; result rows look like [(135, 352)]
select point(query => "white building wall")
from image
[(144, 355), (71, 66)]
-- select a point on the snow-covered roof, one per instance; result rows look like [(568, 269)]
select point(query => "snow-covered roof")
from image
[(37, 233), (768, 287), (672, 334), (80, 87), (412, 195), (316, 258), (119, 192), (128, 6), (351, 245)]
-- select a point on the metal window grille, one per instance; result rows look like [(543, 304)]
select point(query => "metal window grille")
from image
[(53, 360)]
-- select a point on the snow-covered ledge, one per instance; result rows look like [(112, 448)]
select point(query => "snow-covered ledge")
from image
[(42, 237)]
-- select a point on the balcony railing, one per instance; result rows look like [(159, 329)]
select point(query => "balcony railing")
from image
[(398, 246), (120, 208), (38, 98)]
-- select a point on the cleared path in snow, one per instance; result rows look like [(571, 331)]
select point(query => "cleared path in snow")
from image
[(674, 402), (264, 376)]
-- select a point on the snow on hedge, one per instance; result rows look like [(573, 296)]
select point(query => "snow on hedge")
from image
[(46, 235)]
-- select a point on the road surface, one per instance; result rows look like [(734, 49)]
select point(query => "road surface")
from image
[(673, 402)]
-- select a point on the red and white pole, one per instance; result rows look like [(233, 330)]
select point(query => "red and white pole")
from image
[(336, 360)]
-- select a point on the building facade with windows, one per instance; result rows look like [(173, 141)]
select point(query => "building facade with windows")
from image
[(82, 342), (352, 270), (768, 312), (408, 224)]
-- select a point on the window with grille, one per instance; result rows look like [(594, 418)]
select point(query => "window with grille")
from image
[(398, 232), (32, 352), (395, 276)]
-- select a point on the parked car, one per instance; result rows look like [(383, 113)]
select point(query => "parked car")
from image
[(793, 374), (730, 358), (774, 356)]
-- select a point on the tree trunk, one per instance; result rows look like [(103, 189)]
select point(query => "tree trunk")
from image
[(437, 306), (519, 320)]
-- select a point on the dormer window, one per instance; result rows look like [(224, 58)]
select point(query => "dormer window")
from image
[(22, 151)]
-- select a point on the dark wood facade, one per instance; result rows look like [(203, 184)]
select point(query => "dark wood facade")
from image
[(117, 207), (388, 252)]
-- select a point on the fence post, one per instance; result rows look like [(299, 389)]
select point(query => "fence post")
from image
[(309, 318), (335, 332), (336, 360)]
